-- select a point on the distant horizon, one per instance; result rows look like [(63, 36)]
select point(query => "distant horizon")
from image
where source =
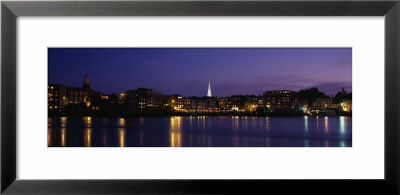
[(186, 71), (201, 95)]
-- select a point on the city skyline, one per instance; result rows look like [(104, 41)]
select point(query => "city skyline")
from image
[(115, 70)]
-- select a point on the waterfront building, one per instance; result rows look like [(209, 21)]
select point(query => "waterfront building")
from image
[(238, 102), (323, 103), (102, 102), (224, 104), (200, 104), (74, 100), (197, 104), (346, 105), (106, 104), (210, 103), (186, 103), (281, 99), (143, 98), (78, 101), (179, 103), (76, 95), (252, 103), (96, 102), (122, 98), (56, 97)]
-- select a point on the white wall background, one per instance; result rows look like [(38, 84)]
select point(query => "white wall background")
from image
[(362, 161)]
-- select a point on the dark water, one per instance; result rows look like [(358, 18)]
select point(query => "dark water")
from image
[(201, 132)]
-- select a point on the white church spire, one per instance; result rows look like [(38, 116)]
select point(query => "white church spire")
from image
[(209, 90)]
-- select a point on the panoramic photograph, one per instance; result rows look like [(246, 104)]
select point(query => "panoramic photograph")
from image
[(199, 97)]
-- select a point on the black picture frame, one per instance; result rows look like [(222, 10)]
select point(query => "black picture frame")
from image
[(11, 10)]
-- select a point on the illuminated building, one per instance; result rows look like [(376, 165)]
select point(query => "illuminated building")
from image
[(180, 102), (251, 103), (73, 99), (224, 104), (56, 97), (209, 94), (197, 103), (346, 105), (142, 98), (184, 103), (80, 95), (238, 102), (200, 103), (281, 99), (210, 103), (175, 101), (323, 103)]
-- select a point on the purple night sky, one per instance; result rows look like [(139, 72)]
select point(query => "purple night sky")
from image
[(186, 71)]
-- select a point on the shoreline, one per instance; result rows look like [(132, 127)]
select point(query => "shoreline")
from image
[(313, 116)]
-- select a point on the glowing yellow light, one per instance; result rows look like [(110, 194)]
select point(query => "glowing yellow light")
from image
[(122, 122), (175, 140), (342, 125), (63, 121), (87, 120), (88, 137), (326, 125), (122, 137), (175, 131), (63, 134), (305, 123)]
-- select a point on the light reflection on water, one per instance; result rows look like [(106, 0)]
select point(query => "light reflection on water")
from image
[(88, 137), (201, 131), (326, 124), (63, 134), (175, 131), (306, 123), (342, 125), (122, 137), (63, 121), (122, 122)]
